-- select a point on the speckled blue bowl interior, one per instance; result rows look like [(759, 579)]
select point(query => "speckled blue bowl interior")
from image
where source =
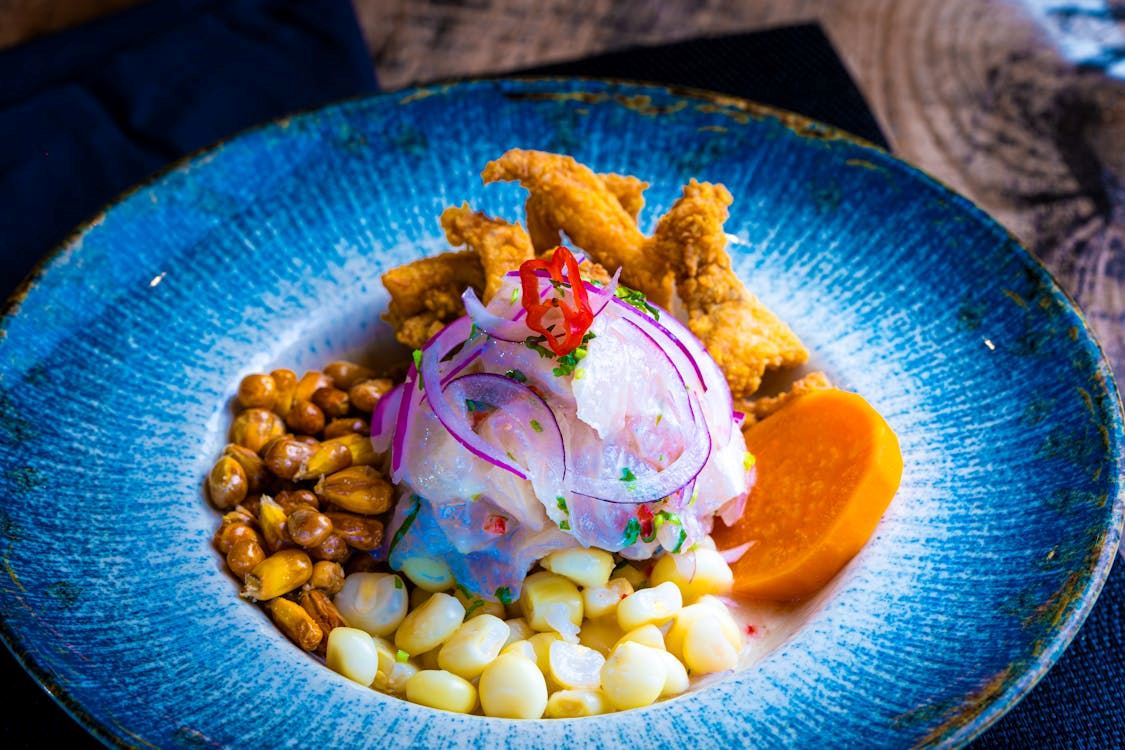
[(117, 364)]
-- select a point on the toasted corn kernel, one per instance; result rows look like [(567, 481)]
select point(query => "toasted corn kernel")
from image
[(346, 426), (586, 567), (327, 458), (352, 653), (244, 556), (231, 534), (430, 625), (574, 704), (473, 646), (363, 454), (253, 428), (362, 564), (309, 384), (601, 601), (676, 676), (274, 524), (375, 602), (366, 393), (573, 666), (360, 489), (332, 401), (284, 456), (439, 689), (327, 576), (710, 573), (278, 574), (305, 418), (333, 548), (255, 469), (292, 619), (226, 484), (428, 573), (294, 500), (359, 532), (308, 527), (257, 390), (633, 676), (655, 605), (512, 687), (286, 383), (543, 591), (321, 610), (345, 374)]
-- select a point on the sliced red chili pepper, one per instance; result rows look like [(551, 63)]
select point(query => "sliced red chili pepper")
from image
[(648, 531), (497, 525), (576, 319)]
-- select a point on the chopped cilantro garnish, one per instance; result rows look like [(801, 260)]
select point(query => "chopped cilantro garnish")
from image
[(627, 474), (398, 583), (475, 496), (565, 525), (680, 543), (561, 502), (567, 363), (748, 461), (515, 294), (516, 375), (406, 522), (474, 329), (536, 426), (504, 594), (418, 366), (464, 590), (636, 299), (473, 406), (632, 531), (477, 604), (535, 344), (659, 418), (660, 459), (401, 656), (579, 373), (694, 497)]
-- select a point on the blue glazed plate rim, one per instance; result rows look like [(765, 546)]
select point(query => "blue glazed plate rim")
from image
[(955, 733)]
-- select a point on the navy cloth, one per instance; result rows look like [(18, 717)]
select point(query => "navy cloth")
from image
[(89, 112)]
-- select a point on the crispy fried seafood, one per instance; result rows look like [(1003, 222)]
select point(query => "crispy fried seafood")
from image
[(684, 261)]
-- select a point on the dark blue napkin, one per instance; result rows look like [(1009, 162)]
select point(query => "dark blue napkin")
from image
[(87, 113)]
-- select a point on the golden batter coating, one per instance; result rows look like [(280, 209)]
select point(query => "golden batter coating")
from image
[(500, 246), (426, 294), (743, 336), (547, 235), (760, 408)]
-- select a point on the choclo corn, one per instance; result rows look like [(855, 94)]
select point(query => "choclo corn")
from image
[(601, 634), (278, 574), (646, 635), (633, 676), (706, 648), (474, 646), (518, 630), (375, 602), (633, 575), (586, 567), (430, 625), (710, 573), (573, 666), (440, 689), (707, 606), (393, 674), (428, 573), (351, 652), (655, 605), (600, 601), (521, 648), (475, 606), (512, 687), (676, 677), (541, 642), (544, 592), (574, 704)]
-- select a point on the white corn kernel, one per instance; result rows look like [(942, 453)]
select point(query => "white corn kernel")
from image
[(655, 605), (707, 606), (512, 687), (430, 625), (676, 677), (574, 704), (428, 573), (586, 567), (375, 602), (646, 635), (442, 690), (351, 652), (541, 642), (573, 666), (600, 634), (478, 605), (633, 676), (600, 601), (636, 578), (706, 573), (393, 674), (541, 592), (474, 646), (706, 649), (521, 648), (518, 630)]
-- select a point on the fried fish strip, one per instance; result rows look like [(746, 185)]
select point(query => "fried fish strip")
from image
[(571, 197), (545, 234), (426, 294), (743, 336), (501, 246), (760, 408)]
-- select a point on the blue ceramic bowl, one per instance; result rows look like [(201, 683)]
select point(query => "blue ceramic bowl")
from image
[(118, 359)]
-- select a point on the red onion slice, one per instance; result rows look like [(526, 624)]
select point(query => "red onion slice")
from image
[(734, 554), (383, 419), (402, 423)]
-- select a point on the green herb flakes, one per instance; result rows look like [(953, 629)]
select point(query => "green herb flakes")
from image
[(536, 426), (627, 474)]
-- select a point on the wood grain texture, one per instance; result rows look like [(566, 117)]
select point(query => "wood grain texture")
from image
[(976, 92)]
